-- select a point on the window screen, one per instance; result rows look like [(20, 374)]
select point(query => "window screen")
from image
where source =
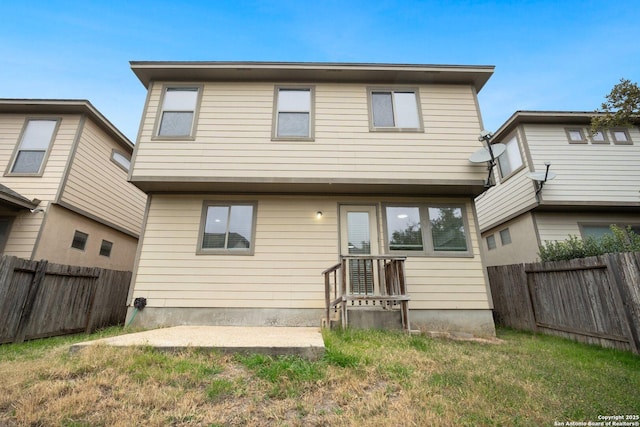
[(178, 109), (79, 240), (33, 146), (294, 113)]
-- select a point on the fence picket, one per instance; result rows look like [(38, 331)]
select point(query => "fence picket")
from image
[(594, 300), (40, 299)]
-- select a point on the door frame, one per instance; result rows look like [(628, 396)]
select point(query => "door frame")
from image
[(374, 230)]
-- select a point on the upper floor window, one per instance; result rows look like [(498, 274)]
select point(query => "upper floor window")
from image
[(621, 136), (294, 113), (34, 145), (121, 160), (426, 230), (576, 136), (227, 228), (397, 110), (599, 138), (511, 160), (178, 111)]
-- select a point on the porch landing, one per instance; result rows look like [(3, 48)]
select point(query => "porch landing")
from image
[(275, 341)]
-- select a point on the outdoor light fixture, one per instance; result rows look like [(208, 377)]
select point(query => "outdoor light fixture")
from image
[(319, 214)]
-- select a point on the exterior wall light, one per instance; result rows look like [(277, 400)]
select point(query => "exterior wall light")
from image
[(319, 215)]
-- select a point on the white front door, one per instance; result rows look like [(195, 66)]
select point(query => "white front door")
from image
[(359, 236)]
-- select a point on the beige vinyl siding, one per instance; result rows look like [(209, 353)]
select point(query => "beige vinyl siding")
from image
[(233, 138), (26, 226), (558, 226), (23, 234), (504, 200), (292, 248), (98, 186), (586, 172), (507, 197)]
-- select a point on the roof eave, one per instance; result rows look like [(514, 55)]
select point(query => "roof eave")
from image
[(15, 200), (65, 106), (148, 71), (543, 117)]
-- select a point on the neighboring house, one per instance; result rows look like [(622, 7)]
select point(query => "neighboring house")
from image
[(260, 175), (597, 184), (64, 195)]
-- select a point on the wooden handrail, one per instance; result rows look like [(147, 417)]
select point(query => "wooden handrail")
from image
[(385, 257), (332, 269), (379, 279)]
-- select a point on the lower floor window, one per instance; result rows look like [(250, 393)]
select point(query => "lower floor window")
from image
[(79, 240), (422, 229), (491, 242), (599, 231), (105, 248), (227, 228), (505, 236)]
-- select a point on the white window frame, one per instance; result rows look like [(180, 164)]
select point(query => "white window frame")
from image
[(513, 139), (21, 140), (200, 250), (393, 91), (195, 111), (275, 136), (428, 249)]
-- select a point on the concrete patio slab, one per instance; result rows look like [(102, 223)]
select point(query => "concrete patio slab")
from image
[(300, 341)]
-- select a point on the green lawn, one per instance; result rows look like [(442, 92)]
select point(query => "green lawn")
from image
[(366, 378)]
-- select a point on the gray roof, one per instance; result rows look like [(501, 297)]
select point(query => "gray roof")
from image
[(65, 106), (15, 199)]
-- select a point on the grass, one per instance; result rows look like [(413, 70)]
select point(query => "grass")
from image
[(366, 378)]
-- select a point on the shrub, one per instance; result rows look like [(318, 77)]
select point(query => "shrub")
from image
[(621, 240)]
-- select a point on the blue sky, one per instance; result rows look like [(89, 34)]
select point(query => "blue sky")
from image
[(549, 55)]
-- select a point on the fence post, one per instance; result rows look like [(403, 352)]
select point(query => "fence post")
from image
[(34, 287), (622, 298), (530, 284), (94, 290)]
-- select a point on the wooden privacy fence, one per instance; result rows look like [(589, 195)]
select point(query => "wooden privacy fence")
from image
[(594, 300), (39, 299)]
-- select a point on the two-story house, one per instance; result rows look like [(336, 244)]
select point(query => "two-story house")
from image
[(64, 195), (262, 175), (596, 184)]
